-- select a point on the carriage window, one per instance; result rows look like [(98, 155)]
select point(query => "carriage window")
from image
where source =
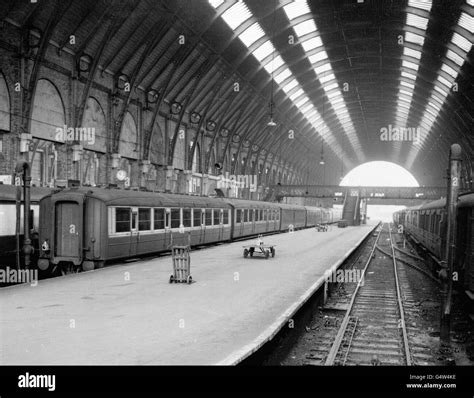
[(261, 216), (186, 217), (238, 216), (226, 216), (197, 217), (159, 222), (246, 215), (277, 215), (144, 219), (122, 219), (217, 213), (265, 215), (175, 218), (208, 216), (256, 215)]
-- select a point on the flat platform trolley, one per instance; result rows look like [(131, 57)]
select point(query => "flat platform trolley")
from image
[(321, 227), (181, 263), (264, 250)]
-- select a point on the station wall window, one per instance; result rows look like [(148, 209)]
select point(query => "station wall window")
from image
[(122, 219), (175, 218), (144, 219), (208, 216), (238, 216), (197, 217), (226, 217), (159, 219), (217, 213), (186, 217)]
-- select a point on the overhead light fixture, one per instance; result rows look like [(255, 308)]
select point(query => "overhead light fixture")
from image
[(175, 108), (211, 125)]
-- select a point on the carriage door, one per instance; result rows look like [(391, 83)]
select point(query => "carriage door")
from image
[(68, 234), (221, 223), (134, 235), (168, 231), (252, 217)]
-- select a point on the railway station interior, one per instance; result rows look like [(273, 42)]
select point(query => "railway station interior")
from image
[(277, 144)]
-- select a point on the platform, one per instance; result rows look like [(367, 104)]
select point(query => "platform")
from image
[(131, 315)]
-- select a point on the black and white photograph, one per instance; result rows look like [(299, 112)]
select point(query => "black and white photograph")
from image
[(237, 195)]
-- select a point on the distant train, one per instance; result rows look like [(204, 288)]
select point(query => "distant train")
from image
[(83, 228), (8, 239), (427, 224)]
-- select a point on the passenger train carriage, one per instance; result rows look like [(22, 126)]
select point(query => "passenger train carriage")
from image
[(82, 228), (427, 224), (8, 220)]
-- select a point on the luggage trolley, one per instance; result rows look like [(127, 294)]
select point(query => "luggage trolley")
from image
[(181, 262)]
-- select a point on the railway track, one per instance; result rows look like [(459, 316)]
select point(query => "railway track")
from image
[(375, 318)]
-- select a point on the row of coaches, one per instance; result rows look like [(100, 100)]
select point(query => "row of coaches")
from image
[(82, 228), (427, 224)]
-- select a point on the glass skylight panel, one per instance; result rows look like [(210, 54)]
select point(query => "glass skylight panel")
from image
[(444, 81), (432, 111), (323, 68), (264, 50), (312, 43), (406, 84), (414, 38), (274, 64), (434, 105), (306, 108), (215, 3), (305, 27), (338, 105), (320, 56), (408, 75), (327, 78), (333, 94), (403, 104), (236, 15), (296, 94), (406, 92), (290, 85), (296, 9), (410, 65), (252, 34), (470, 2), (466, 22), (331, 86), (422, 4), (417, 21), (404, 99), (302, 101), (450, 71), (412, 53), (337, 100), (461, 42), (283, 75), (454, 57), (442, 91)]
